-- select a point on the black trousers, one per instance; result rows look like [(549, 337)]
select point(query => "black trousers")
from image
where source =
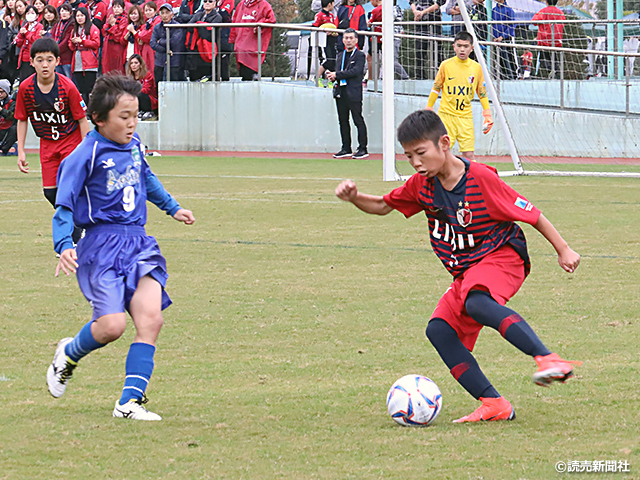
[(245, 72), (84, 81), (159, 74), (346, 106), (144, 103), (8, 137), (25, 71)]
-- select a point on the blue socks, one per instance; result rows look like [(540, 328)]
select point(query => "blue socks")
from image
[(139, 367), (83, 344)]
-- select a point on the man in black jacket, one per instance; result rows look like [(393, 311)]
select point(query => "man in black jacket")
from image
[(350, 67)]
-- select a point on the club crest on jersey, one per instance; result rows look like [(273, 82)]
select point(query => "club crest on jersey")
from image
[(471, 79), (464, 215), (59, 106), (137, 159)]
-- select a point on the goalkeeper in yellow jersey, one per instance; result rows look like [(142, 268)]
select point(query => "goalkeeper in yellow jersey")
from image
[(459, 78)]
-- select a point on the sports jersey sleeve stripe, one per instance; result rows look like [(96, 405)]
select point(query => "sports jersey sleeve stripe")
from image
[(405, 198)]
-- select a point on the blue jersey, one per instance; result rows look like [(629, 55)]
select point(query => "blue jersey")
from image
[(104, 182)]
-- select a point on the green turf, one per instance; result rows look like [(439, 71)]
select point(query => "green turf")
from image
[(294, 313)]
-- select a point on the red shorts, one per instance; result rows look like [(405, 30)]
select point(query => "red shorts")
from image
[(52, 152), (500, 273)]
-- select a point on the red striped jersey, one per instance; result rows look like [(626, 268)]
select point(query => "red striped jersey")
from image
[(323, 17), (469, 222), (53, 115)]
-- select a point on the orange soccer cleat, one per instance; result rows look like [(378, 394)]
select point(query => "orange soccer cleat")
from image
[(491, 410), (553, 368)]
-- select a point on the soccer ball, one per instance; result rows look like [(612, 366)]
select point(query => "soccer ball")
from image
[(414, 401)]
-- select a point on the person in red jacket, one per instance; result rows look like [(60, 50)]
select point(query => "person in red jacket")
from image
[(246, 39), (114, 47), (148, 96), (84, 43), (98, 11), (134, 23), (143, 34), (549, 35), (61, 33), (29, 32)]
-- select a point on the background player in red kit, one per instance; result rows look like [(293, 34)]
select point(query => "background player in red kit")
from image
[(471, 215), (57, 113)]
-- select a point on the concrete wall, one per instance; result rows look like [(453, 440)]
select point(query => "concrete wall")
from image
[(271, 117)]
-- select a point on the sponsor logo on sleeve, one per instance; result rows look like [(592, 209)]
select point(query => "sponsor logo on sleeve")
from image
[(523, 204)]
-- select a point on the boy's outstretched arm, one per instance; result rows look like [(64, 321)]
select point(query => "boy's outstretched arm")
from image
[(567, 258), (373, 204)]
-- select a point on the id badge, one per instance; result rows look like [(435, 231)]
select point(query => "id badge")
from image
[(343, 83)]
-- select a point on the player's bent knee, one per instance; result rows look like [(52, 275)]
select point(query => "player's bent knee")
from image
[(111, 327), (437, 330), (476, 303)]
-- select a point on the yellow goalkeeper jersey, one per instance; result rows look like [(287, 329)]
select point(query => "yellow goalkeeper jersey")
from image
[(459, 80)]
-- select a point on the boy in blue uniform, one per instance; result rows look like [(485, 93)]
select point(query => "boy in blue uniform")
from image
[(472, 215), (103, 187)]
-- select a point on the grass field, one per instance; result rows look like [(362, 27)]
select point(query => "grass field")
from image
[(293, 314)]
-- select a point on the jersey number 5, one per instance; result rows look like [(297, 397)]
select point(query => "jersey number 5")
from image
[(128, 198), (55, 134)]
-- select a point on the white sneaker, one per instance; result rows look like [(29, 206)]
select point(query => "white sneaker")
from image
[(60, 370), (133, 409)]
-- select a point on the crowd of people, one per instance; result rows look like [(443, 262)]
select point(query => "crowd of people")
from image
[(99, 37), (427, 54)]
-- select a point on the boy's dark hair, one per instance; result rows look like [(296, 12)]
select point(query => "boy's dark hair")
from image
[(325, 3), (553, 3), (464, 36), (45, 45), (350, 30), (106, 92), (421, 125)]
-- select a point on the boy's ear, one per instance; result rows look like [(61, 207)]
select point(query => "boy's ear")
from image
[(444, 143)]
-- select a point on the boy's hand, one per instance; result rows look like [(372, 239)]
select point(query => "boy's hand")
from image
[(569, 260), (184, 215), (23, 165), (67, 262), (347, 191)]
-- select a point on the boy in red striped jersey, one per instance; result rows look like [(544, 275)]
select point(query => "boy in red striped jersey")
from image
[(57, 113), (472, 215)]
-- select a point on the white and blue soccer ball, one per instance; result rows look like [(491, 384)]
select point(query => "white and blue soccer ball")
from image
[(414, 401)]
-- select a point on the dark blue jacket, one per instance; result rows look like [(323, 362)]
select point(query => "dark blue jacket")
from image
[(503, 12), (159, 44), (352, 72)]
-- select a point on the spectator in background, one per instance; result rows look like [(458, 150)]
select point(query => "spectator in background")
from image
[(225, 48), (351, 15), (479, 14), (39, 4), (398, 16), (148, 96), (505, 33), (61, 33), (56, 4), (12, 20), (326, 17), (245, 40), (316, 6), (348, 94), (49, 20), (201, 41), (186, 11), (9, 10), (428, 52), (114, 47), (84, 44), (548, 36), (134, 17), (143, 35), (159, 45), (5, 41), (98, 11), (8, 128), (31, 31), (452, 8), (3, 9)]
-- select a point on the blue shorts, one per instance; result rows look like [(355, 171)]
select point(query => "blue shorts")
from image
[(111, 261)]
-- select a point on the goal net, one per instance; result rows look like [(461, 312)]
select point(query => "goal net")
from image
[(564, 93)]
